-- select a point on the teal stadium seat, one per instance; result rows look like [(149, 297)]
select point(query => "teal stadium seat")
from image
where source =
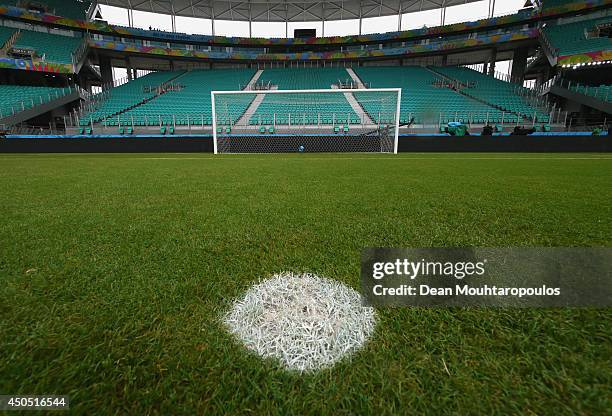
[(119, 99), (73, 9), (548, 4), (578, 37), (422, 97), (190, 105), (602, 92), (5, 34), (51, 47), (16, 98), (505, 96), (299, 109), (425, 96)]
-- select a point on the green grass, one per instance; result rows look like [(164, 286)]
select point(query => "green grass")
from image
[(115, 269)]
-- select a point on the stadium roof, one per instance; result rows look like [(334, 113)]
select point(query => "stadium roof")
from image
[(282, 11)]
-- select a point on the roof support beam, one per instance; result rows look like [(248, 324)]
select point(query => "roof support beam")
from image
[(130, 14), (491, 8), (360, 17), (323, 19), (286, 20), (173, 18), (443, 13), (399, 18)]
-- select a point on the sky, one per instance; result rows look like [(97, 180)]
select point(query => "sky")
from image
[(455, 14)]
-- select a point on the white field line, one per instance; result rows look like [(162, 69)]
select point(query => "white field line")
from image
[(384, 158), (238, 157)]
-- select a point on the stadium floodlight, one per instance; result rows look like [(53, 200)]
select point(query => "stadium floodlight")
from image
[(316, 120)]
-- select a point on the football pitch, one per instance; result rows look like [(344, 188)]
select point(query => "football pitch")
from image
[(115, 271)]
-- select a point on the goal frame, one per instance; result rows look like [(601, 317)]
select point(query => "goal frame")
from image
[(398, 91)]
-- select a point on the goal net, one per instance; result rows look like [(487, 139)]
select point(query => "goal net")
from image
[(332, 120)]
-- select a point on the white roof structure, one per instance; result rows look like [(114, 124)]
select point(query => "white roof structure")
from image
[(283, 10)]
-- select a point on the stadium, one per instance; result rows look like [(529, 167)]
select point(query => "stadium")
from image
[(188, 188)]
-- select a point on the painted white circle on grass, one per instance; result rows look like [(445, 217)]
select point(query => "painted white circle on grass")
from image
[(305, 321)]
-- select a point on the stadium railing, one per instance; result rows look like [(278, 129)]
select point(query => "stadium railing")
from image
[(602, 92), (203, 121)]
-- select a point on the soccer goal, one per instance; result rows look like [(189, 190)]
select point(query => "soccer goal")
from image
[(329, 120)]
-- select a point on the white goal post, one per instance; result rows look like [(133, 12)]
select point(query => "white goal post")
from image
[(306, 120)]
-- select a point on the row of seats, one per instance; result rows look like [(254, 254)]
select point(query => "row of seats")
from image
[(426, 97), (309, 109), (190, 104), (53, 47), (302, 78), (423, 97), (123, 97), (73, 9), (578, 37), (16, 98), (556, 3), (602, 92), (5, 34), (500, 94)]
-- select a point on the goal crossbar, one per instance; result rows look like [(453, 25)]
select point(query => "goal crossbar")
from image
[(394, 91)]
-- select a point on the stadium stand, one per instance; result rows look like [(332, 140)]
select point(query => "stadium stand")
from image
[(76, 9), (548, 4), (54, 48), (326, 110), (578, 37), (5, 34), (602, 92), (186, 102), (15, 98), (305, 109), (303, 78), (425, 96), (120, 99), (505, 96), (431, 95)]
